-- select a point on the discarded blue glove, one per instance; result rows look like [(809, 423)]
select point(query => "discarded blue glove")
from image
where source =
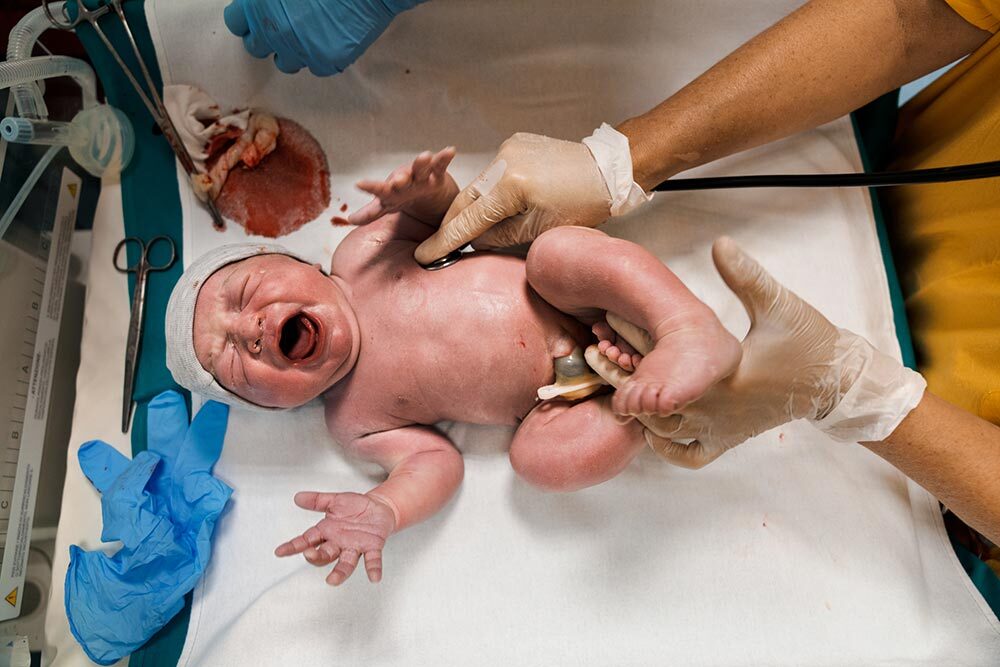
[(162, 505), (324, 35)]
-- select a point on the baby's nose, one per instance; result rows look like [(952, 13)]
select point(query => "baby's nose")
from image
[(251, 332)]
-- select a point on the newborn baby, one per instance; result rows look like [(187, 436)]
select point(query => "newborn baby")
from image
[(393, 348)]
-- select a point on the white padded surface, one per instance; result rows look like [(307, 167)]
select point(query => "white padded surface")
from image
[(790, 550)]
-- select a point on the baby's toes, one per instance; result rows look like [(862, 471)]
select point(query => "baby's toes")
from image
[(602, 331), (660, 400), (625, 361), (614, 354)]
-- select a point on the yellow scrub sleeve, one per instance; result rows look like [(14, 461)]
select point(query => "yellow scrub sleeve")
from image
[(946, 237)]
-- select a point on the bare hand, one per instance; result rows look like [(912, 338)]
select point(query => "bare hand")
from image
[(423, 190), (354, 525)]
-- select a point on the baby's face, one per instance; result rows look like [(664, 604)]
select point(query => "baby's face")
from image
[(274, 330)]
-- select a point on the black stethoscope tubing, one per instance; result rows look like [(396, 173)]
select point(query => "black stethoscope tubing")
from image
[(962, 172)]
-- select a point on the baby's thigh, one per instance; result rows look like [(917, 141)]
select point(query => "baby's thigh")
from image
[(563, 446), (577, 269)]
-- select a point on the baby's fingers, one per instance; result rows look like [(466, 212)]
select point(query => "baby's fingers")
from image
[(297, 545), (322, 555), (370, 212), (422, 166), (345, 567), (374, 188), (399, 179), (441, 160), (314, 500), (373, 565)]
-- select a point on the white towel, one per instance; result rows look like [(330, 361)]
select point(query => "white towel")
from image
[(792, 549)]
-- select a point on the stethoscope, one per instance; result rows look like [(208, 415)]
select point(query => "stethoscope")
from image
[(878, 179)]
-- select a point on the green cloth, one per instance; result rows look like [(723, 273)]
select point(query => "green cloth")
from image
[(873, 129), (151, 207)]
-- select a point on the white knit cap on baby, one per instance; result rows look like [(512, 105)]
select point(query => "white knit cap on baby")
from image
[(181, 359)]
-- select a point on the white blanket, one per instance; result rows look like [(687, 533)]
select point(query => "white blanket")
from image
[(791, 549)]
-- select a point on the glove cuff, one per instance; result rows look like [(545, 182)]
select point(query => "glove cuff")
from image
[(881, 397), (614, 160)]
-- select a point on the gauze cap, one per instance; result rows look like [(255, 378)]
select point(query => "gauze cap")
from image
[(181, 358)]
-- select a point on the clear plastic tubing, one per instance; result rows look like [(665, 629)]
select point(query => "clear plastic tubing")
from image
[(44, 132), (22, 194), (27, 71), (27, 95)]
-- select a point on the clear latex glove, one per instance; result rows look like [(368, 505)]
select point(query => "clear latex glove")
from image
[(353, 525), (796, 365), (536, 183), (324, 35)]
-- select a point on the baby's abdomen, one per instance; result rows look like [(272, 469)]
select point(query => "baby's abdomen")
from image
[(501, 338)]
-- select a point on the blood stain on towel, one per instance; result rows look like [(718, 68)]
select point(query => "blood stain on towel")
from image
[(343, 208), (290, 187), (337, 221)]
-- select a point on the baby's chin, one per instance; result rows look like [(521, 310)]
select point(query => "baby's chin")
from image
[(293, 387), (282, 400)]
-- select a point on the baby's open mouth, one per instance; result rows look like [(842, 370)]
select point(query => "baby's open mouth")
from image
[(299, 337)]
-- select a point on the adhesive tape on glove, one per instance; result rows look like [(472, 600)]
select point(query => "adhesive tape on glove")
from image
[(614, 160), (884, 393)]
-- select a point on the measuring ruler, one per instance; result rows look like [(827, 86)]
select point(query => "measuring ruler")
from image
[(33, 287)]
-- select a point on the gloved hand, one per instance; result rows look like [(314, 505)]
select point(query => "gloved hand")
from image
[(796, 365), (324, 35), (536, 183), (162, 505)]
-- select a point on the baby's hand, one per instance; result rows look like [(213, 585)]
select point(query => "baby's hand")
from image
[(355, 524), (423, 190)]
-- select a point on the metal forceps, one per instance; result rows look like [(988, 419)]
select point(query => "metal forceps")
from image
[(153, 102), (141, 269)]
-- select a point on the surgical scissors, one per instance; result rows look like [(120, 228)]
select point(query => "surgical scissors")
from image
[(141, 269), (153, 102)]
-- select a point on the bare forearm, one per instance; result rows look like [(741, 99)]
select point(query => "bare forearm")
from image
[(954, 455), (824, 60), (420, 485)]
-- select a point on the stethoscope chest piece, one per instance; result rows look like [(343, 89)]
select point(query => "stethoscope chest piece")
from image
[(444, 262)]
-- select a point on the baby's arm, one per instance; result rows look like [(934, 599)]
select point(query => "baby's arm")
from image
[(424, 470), (423, 190)]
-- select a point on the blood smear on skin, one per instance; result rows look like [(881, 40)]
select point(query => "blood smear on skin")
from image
[(337, 221), (290, 187)]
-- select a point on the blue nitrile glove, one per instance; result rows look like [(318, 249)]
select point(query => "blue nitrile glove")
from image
[(162, 505), (324, 35)]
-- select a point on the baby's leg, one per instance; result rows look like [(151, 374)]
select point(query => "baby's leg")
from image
[(563, 446), (578, 269)]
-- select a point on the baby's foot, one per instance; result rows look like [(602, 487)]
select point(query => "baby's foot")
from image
[(423, 190), (615, 347), (689, 355)]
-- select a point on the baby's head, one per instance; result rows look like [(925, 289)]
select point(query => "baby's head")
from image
[(255, 325)]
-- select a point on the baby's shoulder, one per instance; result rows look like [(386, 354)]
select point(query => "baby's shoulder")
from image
[(351, 415), (365, 245)]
